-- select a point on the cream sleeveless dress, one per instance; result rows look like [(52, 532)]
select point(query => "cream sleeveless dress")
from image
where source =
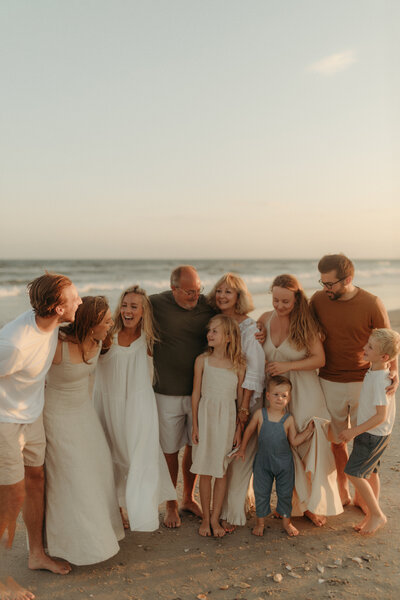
[(217, 421), (82, 520), (125, 402), (316, 487)]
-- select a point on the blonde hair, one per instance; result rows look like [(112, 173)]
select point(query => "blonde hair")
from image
[(233, 343), (303, 326), (147, 322), (244, 303), (388, 340)]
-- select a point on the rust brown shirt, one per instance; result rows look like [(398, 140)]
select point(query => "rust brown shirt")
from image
[(347, 325)]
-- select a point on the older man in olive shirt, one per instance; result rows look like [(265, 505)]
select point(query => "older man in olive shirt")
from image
[(181, 317)]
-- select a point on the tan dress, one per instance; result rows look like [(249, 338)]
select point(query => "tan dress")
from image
[(83, 522), (217, 421), (316, 487)]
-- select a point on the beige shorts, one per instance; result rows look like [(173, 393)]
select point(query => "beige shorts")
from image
[(20, 445), (175, 420), (342, 401)]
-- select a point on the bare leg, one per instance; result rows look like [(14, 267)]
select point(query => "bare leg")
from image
[(205, 497), (172, 518), (375, 518), (33, 512), (289, 528), (11, 501), (218, 499), (258, 529), (341, 455), (189, 481), (376, 487)]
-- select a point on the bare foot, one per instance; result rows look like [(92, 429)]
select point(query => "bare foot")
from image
[(289, 528), (258, 530), (124, 517), (345, 496), (193, 507), (13, 591), (318, 520), (373, 524), (42, 561), (361, 524), (172, 518), (229, 528), (217, 529), (205, 529)]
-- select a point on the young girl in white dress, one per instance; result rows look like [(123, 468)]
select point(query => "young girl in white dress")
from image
[(217, 385), (125, 402)]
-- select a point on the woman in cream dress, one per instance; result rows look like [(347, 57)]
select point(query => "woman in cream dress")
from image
[(293, 348), (231, 296), (82, 520), (125, 402)]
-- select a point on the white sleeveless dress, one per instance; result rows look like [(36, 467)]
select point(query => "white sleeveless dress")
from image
[(316, 487), (125, 402), (82, 519), (217, 421)]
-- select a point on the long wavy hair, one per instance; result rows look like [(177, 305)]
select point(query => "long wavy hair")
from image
[(303, 326), (244, 302), (146, 322), (89, 314), (233, 348)]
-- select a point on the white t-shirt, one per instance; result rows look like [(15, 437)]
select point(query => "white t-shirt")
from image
[(373, 394), (26, 354)]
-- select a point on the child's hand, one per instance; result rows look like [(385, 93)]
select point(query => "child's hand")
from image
[(310, 429), (195, 436), (346, 435)]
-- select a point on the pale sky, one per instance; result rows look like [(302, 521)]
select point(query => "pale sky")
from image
[(199, 128)]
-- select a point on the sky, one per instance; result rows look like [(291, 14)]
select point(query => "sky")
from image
[(199, 128)]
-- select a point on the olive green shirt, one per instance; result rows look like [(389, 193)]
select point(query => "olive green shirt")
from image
[(182, 335)]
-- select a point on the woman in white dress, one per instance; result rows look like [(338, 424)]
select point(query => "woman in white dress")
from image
[(125, 402), (231, 296), (82, 520), (293, 348)]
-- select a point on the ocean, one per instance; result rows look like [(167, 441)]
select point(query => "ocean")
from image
[(111, 277)]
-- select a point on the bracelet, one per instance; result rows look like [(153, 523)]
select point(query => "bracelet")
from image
[(244, 410)]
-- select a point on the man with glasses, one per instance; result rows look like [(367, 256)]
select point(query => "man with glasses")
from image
[(181, 316), (347, 315)]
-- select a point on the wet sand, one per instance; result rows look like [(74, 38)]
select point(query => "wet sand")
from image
[(333, 562)]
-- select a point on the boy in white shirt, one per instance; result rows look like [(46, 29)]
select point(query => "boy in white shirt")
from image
[(375, 419)]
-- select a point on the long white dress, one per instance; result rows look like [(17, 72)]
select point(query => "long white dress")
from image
[(82, 520), (316, 487), (126, 405), (239, 472)]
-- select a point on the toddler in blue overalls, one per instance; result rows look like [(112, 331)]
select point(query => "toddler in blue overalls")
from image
[(274, 460)]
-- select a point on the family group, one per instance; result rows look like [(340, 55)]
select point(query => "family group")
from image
[(95, 408)]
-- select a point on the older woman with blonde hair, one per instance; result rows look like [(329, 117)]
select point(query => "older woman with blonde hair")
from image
[(231, 296), (293, 348), (126, 404)]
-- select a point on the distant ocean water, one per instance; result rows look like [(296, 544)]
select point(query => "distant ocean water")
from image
[(110, 277)]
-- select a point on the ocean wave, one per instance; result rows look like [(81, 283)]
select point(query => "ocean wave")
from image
[(9, 292)]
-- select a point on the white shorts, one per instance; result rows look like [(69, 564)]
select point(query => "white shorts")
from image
[(341, 401), (21, 445), (175, 420)]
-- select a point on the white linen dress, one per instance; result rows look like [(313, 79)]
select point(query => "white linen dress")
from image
[(316, 487), (126, 405), (82, 519), (239, 472)]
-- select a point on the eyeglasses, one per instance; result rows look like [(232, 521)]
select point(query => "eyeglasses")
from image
[(329, 284), (191, 293)]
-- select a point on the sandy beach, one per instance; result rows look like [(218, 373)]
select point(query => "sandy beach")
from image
[(333, 562)]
